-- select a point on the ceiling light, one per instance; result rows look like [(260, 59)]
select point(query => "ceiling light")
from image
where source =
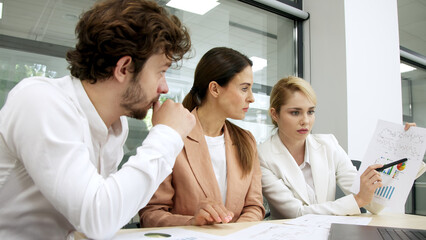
[(1, 10), (405, 68), (195, 6), (258, 63)]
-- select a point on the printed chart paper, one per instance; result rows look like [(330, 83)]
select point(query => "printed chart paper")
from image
[(391, 142)]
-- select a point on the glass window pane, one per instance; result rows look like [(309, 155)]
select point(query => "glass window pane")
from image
[(417, 80), (406, 98), (413, 92), (17, 65), (412, 25), (256, 33), (248, 29)]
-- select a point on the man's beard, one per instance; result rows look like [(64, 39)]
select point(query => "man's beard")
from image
[(132, 97)]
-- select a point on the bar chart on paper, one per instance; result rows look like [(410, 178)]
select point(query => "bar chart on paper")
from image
[(389, 143), (385, 192), (395, 171)]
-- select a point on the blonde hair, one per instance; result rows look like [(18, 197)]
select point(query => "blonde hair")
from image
[(283, 90)]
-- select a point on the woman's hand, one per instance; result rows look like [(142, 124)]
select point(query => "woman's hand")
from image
[(408, 125), (369, 182), (210, 212)]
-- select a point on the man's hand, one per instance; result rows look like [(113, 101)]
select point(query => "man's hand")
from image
[(173, 115)]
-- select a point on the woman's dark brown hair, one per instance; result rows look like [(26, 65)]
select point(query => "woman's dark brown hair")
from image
[(221, 64), (116, 28)]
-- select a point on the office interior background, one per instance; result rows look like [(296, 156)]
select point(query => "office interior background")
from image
[(35, 35)]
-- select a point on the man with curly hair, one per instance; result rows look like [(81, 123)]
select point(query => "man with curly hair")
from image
[(61, 140)]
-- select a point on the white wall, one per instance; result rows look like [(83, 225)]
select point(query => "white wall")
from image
[(374, 80), (353, 52), (325, 65)]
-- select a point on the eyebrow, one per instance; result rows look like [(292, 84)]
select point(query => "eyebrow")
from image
[(297, 108), (245, 84)]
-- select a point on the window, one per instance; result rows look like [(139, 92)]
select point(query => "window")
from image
[(266, 36), (414, 109), (411, 23)]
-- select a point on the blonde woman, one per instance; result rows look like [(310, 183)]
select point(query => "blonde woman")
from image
[(300, 170)]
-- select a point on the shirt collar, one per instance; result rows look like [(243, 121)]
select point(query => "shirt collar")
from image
[(98, 128), (306, 160)]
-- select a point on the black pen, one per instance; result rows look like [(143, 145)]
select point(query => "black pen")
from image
[(391, 164)]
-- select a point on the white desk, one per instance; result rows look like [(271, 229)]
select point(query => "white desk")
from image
[(382, 219)]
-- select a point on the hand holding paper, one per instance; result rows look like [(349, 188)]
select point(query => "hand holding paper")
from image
[(390, 141)]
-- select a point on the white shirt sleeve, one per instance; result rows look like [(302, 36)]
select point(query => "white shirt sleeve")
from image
[(46, 134), (284, 200)]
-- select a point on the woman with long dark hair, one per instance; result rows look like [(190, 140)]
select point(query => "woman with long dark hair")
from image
[(216, 177)]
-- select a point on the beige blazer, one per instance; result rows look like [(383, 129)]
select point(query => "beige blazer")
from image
[(193, 179)]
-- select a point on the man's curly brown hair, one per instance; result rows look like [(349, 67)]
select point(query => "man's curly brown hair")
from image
[(116, 28)]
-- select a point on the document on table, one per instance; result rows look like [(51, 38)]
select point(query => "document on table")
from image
[(391, 142), (167, 233), (315, 227), (325, 221), (273, 231)]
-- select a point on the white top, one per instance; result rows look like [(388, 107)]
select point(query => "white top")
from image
[(216, 147), (307, 173), (58, 164)]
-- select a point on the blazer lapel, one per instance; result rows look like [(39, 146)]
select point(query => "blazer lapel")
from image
[(236, 184), (320, 170), (289, 169), (199, 160)]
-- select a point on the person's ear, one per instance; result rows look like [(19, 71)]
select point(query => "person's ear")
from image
[(214, 89), (121, 70), (274, 114)]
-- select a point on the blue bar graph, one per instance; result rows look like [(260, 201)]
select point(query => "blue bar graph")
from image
[(385, 192)]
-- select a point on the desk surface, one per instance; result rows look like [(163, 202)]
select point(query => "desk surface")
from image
[(382, 219)]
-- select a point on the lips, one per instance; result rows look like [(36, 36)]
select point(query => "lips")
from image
[(303, 131), (245, 109)]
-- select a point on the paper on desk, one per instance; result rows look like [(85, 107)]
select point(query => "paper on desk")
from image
[(390, 143), (325, 221), (273, 231), (175, 234), (315, 227)]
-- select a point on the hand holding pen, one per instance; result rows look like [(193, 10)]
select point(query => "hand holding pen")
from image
[(391, 164)]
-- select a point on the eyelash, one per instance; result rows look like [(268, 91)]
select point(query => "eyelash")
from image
[(296, 113)]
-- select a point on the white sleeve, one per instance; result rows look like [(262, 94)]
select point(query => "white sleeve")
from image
[(282, 199), (45, 131), (346, 174)]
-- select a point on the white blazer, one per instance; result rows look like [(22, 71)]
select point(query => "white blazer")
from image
[(284, 186)]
